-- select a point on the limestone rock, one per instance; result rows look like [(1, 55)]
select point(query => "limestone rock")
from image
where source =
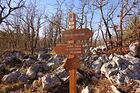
[(61, 73), (96, 65), (121, 69), (44, 57), (31, 73), (2, 68), (23, 78), (135, 49), (114, 89), (11, 77), (85, 90), (50, 81)]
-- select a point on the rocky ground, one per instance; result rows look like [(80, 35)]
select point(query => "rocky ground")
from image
[(44, 72)]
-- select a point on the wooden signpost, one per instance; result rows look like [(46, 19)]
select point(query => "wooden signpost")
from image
[(72, 49)]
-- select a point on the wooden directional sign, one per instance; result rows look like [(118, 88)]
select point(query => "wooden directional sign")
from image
[(72, 20), (71, 49), (79, 34), (65, 49), (74, 49), (61, 49), (72, 63)]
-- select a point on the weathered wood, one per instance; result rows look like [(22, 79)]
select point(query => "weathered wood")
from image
[(72, 20), (72, 63), (73, 80), (66, 49), (71, 49), (61, 49), (77, 34), (72, 72)]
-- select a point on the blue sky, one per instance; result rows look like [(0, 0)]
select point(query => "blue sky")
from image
[(51, 5)]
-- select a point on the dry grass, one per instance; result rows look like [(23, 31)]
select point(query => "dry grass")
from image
[(118, 50), (103, 86), (10, 87)]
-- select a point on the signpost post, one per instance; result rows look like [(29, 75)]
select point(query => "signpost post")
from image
[(72, 50), (72, 71)]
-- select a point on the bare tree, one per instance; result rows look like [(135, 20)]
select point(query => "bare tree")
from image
[(126, 7), (33, 21), (100, 4), (45, 42), (7, 7), (55, 29), (56, 25), (103, 36), (82, 17)]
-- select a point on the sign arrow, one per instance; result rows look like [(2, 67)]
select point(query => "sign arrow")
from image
[(65, 49), (78, 34)]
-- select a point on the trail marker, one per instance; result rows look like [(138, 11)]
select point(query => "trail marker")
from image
[(71, 49)]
